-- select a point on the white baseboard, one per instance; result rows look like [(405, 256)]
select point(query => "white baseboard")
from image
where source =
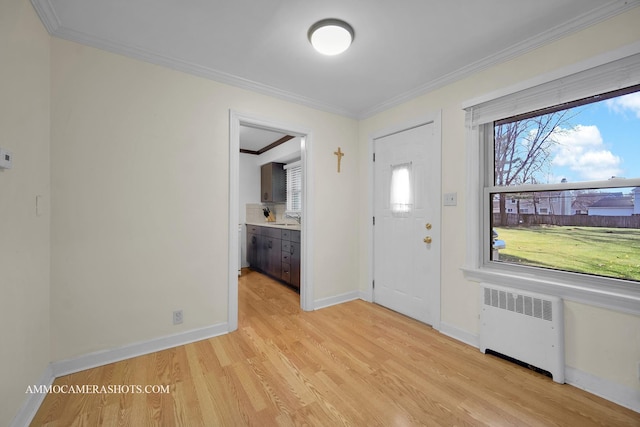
[(365, 296), (99, 358), (459, 334), (33, 401), (338, 299), (614, 392), (617, 393)]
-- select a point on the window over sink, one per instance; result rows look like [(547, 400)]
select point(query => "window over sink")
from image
[(294, 187)]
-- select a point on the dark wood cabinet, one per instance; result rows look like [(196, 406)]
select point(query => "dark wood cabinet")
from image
[(285, 274), (273, 183), (272, 244), (254, 246), (291, 257), (295, 265), (276, 252)]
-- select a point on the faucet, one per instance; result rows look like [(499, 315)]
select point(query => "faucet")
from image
[(295, 216)]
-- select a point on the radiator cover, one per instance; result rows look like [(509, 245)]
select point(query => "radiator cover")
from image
[(526, 326)]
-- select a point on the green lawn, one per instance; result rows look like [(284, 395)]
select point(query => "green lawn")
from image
[(612, 252)]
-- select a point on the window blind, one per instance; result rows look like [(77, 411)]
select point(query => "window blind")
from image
[(604, 78), (294, 186)]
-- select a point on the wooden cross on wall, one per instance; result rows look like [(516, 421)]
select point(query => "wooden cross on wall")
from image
[(339, 154)]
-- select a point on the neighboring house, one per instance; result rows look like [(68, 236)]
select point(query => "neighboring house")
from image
[(553, 203), (617, 205), (582, 201), (566, 203), (612, 206), (545, 203)]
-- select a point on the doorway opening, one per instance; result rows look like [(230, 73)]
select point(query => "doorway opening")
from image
[(241, 122)]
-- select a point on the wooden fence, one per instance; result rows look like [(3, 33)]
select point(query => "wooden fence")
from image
[(569, 220)]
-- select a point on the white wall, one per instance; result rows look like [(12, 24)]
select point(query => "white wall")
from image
[(610, 351), (24, 245), (249, 183), (140, 198)]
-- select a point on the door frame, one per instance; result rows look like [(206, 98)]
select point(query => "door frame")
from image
[(436, 119), (306, 283)]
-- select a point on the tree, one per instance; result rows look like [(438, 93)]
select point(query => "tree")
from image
[(522, 150)]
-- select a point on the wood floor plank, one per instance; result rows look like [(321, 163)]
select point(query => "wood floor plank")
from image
[(353, 364)]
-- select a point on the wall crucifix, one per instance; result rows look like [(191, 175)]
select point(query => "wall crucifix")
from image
[(339, 154)]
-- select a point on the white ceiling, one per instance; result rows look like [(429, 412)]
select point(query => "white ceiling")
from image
[(402, 48)]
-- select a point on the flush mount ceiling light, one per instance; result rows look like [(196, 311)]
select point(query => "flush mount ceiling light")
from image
[(331, 36)]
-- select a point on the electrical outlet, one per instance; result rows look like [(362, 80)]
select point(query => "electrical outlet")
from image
[(177, 317), (6, 159)]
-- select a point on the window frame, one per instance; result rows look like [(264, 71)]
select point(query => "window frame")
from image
[(617, 294), (288, 192)]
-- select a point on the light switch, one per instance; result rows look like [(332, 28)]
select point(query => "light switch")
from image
[(6, 159), (450, 199)]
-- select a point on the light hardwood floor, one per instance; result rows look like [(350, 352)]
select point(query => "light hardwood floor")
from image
[(354, 364)]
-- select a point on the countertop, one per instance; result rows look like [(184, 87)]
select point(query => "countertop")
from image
[(276, 225)]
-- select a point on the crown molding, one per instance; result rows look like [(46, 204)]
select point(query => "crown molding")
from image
[(580, 22), (47, 15), (52, 23)]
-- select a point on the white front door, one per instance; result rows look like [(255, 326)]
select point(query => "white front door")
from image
[(407, 222)]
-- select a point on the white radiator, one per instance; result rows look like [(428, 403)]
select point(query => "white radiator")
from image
[(525, 326)]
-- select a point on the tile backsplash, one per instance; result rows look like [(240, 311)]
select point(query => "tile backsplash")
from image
[(255, 214)]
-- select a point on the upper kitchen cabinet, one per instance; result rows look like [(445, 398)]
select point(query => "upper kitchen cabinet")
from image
[(273, 183)]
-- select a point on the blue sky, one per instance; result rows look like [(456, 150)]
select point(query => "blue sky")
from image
[(602, 141)]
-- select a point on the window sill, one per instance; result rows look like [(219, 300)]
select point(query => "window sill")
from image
[(601, 292)]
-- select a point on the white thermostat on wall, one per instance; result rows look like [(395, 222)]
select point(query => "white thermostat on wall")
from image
[(6, 159)]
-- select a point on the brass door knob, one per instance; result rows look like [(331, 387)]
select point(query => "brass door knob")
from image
[(427, 239)]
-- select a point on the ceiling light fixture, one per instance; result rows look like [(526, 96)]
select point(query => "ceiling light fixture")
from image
[(331, 36)]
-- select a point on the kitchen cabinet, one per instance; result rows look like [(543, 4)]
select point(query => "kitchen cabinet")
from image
[(272, 252), (295, 264), (291, 257), (254, 245), (273, 183), (285, 274), (275, 252)]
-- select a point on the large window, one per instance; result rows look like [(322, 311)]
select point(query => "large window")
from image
[(555, 165), (585, 217)]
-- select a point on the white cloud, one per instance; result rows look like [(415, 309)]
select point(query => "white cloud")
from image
[(582, 150), (630, 102)]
